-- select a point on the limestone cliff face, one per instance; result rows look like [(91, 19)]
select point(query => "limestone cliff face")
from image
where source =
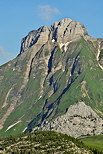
[(61, 32), (57, 67), (39, 36), (67, 30)]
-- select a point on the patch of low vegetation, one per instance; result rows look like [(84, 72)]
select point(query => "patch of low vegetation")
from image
[(42, 142), (94, 142)]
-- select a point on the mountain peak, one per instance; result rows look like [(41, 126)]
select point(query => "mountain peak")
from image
[(61, 32), (68, 29), (64, 21), (57, 82)]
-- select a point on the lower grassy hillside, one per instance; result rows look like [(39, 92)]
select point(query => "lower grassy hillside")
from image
[(42, 142), (94, 142)]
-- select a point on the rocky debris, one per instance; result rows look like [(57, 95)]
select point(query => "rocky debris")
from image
[(8, 112), (1, 78), (61, 32), (82, 110), (80, 120), (5, 102)]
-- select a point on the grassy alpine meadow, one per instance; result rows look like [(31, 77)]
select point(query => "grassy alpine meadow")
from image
[(94, 142)]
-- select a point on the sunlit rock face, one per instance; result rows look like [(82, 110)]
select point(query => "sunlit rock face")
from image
[(61, 32)]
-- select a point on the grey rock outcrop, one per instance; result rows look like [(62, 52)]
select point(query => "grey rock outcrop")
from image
[(67, 29), (80, 120), (61, 32), (39, 36)]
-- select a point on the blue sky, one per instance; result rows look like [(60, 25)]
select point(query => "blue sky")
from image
[(18, 17)]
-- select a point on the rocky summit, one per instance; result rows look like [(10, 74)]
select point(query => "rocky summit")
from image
[(56, 82), (61, 32)]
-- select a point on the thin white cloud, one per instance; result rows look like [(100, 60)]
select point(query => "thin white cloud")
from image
[(47, 12), (3, 53)]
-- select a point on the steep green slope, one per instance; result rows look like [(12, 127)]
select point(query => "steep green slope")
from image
[(81, 81)]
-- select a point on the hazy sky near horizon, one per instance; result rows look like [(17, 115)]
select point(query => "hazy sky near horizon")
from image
[(18, 17)]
